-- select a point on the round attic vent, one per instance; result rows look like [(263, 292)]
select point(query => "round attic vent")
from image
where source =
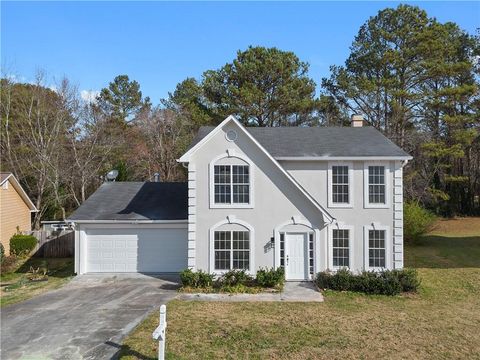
[(231, 135)]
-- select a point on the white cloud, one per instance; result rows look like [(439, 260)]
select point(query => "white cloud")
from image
[(89, 95)]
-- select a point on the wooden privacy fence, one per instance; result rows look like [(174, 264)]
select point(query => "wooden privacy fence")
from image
[(54, 244)]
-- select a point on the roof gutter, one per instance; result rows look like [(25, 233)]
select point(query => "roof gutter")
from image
[(126, 221), (359, 158)]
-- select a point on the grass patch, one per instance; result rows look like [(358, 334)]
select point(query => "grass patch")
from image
[(440, 322), (16, 287)]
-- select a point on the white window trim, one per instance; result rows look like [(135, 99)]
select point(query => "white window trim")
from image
[(366, 198), (388, 246), (331, 204), (231, 153), (231, 219), (351, 237)]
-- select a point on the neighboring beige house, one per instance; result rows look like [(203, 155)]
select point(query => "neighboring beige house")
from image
[(15, 209)]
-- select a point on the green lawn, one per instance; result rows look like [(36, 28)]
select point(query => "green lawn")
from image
[(442, 321), (16, 287)]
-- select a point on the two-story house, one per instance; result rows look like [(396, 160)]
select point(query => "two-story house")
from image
[(307, 199)]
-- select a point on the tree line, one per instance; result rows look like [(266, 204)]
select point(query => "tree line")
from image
[(412, 77)]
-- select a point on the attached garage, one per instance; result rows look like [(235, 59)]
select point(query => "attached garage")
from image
[(136, 249), (130, 227)]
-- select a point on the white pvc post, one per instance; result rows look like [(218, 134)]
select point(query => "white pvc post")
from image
[(159, 333)]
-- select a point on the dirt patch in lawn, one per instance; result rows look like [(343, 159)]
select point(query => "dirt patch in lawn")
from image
[(16, 285)]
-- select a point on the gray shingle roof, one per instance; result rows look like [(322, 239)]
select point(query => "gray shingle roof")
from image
[(319, 141), (135, 201)]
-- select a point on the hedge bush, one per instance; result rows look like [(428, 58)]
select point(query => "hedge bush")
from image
[(2, 253), (417, 221), (196, 279), (22, 244), (233, 280), (270, 278), (387, 282), (409, 280), (235, 277)]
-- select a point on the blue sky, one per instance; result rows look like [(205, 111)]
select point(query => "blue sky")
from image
[(159, 43)]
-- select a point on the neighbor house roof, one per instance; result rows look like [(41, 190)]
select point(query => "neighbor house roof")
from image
[(320, 142), (4, 176), (137, 201)]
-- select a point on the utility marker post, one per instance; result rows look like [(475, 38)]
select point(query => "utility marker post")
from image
[(159, 333)]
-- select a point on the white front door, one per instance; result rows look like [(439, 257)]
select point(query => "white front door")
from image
[(296, 256)]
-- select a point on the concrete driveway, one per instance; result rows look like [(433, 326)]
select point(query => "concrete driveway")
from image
[(85, 319)]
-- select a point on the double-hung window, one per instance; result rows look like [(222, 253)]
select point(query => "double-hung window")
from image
[(376, 185), (340, 179), (376, 249), (232, 250), (341, 248), (231, 184)]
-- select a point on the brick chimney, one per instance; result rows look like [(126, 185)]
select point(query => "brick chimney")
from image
[(357, 120)]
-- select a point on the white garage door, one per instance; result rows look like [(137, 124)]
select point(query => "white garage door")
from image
[(152, 250)]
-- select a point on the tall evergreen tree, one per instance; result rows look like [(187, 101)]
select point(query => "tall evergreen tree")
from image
[(381, 75), (262, 87), (122, 99), (448, 113), (414, 79)]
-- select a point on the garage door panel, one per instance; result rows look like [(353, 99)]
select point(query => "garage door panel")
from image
[(151, 250)]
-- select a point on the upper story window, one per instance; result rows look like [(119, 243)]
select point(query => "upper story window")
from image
[(376, 185), (340, 176), (340, 184), (231, 182)]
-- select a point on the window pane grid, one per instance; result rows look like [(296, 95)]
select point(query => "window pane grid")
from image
[(340, 190), (282, 250), (310, 253), (222, 184), (376, 184), (376, 248), (232, 250), (231, 184), (341, 256)]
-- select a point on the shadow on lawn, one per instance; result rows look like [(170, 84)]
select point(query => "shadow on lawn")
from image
[(125, 350), (444, 252), (59, 267)]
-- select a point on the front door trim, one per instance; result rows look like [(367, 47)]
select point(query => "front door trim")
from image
[(297, 220)]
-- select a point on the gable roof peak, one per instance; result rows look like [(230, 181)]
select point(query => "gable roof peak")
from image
[(186, 158)]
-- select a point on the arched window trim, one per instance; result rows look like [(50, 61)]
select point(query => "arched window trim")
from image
[(231, 219), (231, 153)]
